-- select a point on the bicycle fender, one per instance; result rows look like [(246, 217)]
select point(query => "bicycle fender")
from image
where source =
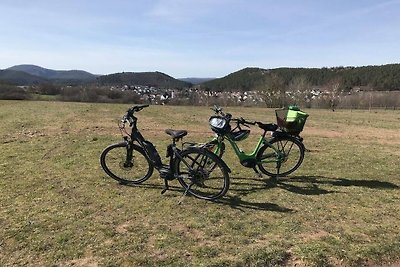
[(225, 166), (286, 136), (278, 134)]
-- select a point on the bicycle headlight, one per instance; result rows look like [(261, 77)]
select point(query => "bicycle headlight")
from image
[(219, 125), (217, 122)]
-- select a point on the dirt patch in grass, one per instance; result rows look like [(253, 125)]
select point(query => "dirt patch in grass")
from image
[(84, 262), (315, 235), (359, 134)]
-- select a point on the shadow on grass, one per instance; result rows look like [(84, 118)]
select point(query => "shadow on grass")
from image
[(238, 203), (304, 185), (342, 182), (235, 202), (156, 186)]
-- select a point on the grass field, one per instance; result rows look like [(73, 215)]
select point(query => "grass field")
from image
[(58, 208)]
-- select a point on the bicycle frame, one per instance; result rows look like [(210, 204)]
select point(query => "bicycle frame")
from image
[(248, 159), (192, 165), (154, 156), (173, 153), (268, 152)]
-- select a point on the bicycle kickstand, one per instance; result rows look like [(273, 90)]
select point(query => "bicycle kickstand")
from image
[(184, 194), (257, 172), (166, 187), (278, 168)]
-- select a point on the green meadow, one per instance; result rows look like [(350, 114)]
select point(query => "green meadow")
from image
[(58, 207)]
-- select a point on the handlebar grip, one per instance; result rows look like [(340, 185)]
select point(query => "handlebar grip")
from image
[(216, 109), (136, 109)]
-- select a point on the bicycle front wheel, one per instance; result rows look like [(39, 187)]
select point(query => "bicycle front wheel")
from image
[(202, 173), (292, 155), (117, 163)]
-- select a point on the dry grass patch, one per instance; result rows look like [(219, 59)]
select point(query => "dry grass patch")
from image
[(58, 208)]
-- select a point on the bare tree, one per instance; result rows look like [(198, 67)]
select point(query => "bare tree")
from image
[(300, 88), (274, 92), (332, 91)]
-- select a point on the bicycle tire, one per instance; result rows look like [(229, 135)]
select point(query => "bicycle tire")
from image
[(213, 148), (221, 150), (113, 162), (293, 151), (202, 173)]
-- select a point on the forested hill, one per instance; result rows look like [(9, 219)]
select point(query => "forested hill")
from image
[(55, 75), (386, 77), (156, 79), (19, 78)]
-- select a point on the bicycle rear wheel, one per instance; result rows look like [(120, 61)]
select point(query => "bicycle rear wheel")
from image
[(127, 170), (292, 151), (202, 173), (217, 149)]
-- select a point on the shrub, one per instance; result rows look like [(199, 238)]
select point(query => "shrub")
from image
[(11, 92)]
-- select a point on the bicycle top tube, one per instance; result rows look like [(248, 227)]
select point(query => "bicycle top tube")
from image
[(243, 155)]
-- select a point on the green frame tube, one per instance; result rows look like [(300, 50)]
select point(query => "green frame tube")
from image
[(243, 155)]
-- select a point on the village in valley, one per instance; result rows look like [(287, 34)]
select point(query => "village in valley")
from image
[(308, 97)]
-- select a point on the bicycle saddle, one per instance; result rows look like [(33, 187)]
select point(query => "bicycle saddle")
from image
[(176, 134), (267, 126)]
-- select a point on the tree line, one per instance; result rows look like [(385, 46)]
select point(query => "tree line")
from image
[(379, 78)]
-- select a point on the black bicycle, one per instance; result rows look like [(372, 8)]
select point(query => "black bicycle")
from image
[(199, 171)]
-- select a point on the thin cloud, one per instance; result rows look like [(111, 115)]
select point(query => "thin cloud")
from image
[(183, 10), (197, 38)]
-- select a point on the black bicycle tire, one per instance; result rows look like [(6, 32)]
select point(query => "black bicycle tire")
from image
[(295, 167), (218, 162), (221, 150), (210, 146), (116, 177)]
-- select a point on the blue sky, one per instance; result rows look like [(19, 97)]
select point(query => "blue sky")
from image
[(199, 38)]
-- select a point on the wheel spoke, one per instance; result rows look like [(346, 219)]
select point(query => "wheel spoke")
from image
[(124, 167), (292, 152), (194, 176)]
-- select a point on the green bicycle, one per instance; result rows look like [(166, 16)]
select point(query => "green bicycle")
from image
[(279, 155)]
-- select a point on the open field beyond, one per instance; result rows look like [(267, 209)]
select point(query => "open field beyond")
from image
[(58, 208)]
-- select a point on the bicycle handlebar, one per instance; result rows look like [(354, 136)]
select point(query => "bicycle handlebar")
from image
[(136, 109), (239, 121), (243, 121), (128, 117), (218, 110)]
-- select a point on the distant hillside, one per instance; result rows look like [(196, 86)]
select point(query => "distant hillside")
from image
[(20, 78), (156, 79), (60, 76), (196, 80), (386, 77), (243, 80)]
